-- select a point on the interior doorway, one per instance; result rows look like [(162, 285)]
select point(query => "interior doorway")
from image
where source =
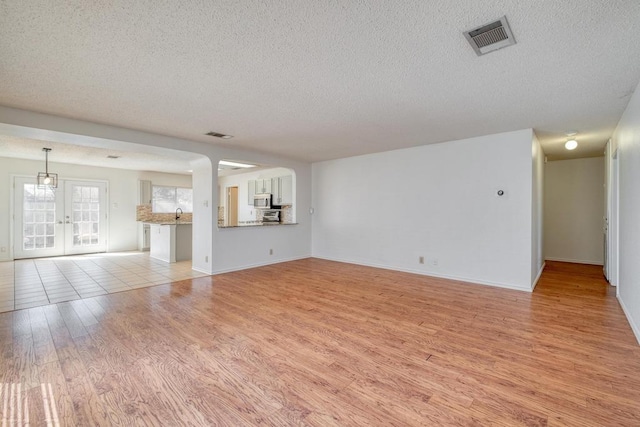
[(232, 206), (68, 220), (611, 214), (574, 206)]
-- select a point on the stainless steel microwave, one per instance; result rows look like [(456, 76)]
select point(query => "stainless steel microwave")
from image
[(262, 201)]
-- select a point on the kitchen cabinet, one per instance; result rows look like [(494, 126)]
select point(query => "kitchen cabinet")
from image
[(263, 186), (144, 236), (171, 242), (282, 190), (144, 194), (252, 191), (258, 186)]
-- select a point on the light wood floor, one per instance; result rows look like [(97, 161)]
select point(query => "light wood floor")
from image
[(314, 342)]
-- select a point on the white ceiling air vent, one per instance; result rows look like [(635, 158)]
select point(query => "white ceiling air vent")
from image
[(490, 37), (219, 135)]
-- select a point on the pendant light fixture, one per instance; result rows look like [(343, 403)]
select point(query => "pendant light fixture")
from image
[(45, 178)]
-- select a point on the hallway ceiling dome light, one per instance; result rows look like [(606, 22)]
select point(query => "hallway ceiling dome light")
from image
[(571, 144), (45, 178)]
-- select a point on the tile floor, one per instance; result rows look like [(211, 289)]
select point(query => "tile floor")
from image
[(35, 282)]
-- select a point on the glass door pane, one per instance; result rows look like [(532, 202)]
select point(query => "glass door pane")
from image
[(67, 220), (85, 215), (38, 226), (39, 220)]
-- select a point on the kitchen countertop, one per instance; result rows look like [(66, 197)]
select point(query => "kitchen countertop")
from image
[(166, 223), (267, 224)]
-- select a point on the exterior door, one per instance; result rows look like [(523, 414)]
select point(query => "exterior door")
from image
[(70, 219), (85, 217)]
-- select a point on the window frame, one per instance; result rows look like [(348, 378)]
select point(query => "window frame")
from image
[(176, 204)]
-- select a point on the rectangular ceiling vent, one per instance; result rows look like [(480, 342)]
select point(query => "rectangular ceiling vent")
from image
[(219, 135), (490, 37)]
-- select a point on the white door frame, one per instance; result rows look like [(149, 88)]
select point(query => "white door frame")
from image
[(56, 225), (12, 208), (70, 248), (612, 212)]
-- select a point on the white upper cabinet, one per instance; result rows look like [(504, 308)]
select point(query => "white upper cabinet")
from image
[(263, 186), (144, 193), (258, 186), (252, 191), (282, 190), (286, 183)]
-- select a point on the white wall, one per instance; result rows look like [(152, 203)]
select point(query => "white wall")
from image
[(574, 206), (246, 212), (215, 250), (245, 247), (122, 196), (203, 219), (627, 140), (537, 213), (437, 201)]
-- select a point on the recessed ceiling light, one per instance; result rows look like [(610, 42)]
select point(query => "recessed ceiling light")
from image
[(571, 144), (219, 135), (236, 164)]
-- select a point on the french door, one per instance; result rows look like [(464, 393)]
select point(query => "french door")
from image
[(68, 220)]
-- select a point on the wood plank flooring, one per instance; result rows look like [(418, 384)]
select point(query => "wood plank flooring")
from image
[(320, 343)]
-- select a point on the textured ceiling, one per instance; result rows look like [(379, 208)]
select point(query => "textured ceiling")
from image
[(317, 80), (163, 160)]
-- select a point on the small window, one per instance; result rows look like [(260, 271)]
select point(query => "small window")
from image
[(168, 199)]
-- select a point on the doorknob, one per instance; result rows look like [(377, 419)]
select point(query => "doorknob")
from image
[(60, 222), (68, 222)]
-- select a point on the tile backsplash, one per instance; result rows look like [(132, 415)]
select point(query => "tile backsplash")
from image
[(144, 213), (286, 215), (220, 216)]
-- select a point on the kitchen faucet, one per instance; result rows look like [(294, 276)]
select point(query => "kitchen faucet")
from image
[(177, 214)]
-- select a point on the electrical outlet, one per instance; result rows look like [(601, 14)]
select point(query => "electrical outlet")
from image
[(421, 260), (206, 258), (270, 251)]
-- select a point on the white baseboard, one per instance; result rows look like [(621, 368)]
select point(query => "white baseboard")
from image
[(634, 327), (575, 261), (248, 266), (430, 274), (199, 270), (535, 282)]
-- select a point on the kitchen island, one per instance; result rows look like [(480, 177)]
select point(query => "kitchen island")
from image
[(171, 241)]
